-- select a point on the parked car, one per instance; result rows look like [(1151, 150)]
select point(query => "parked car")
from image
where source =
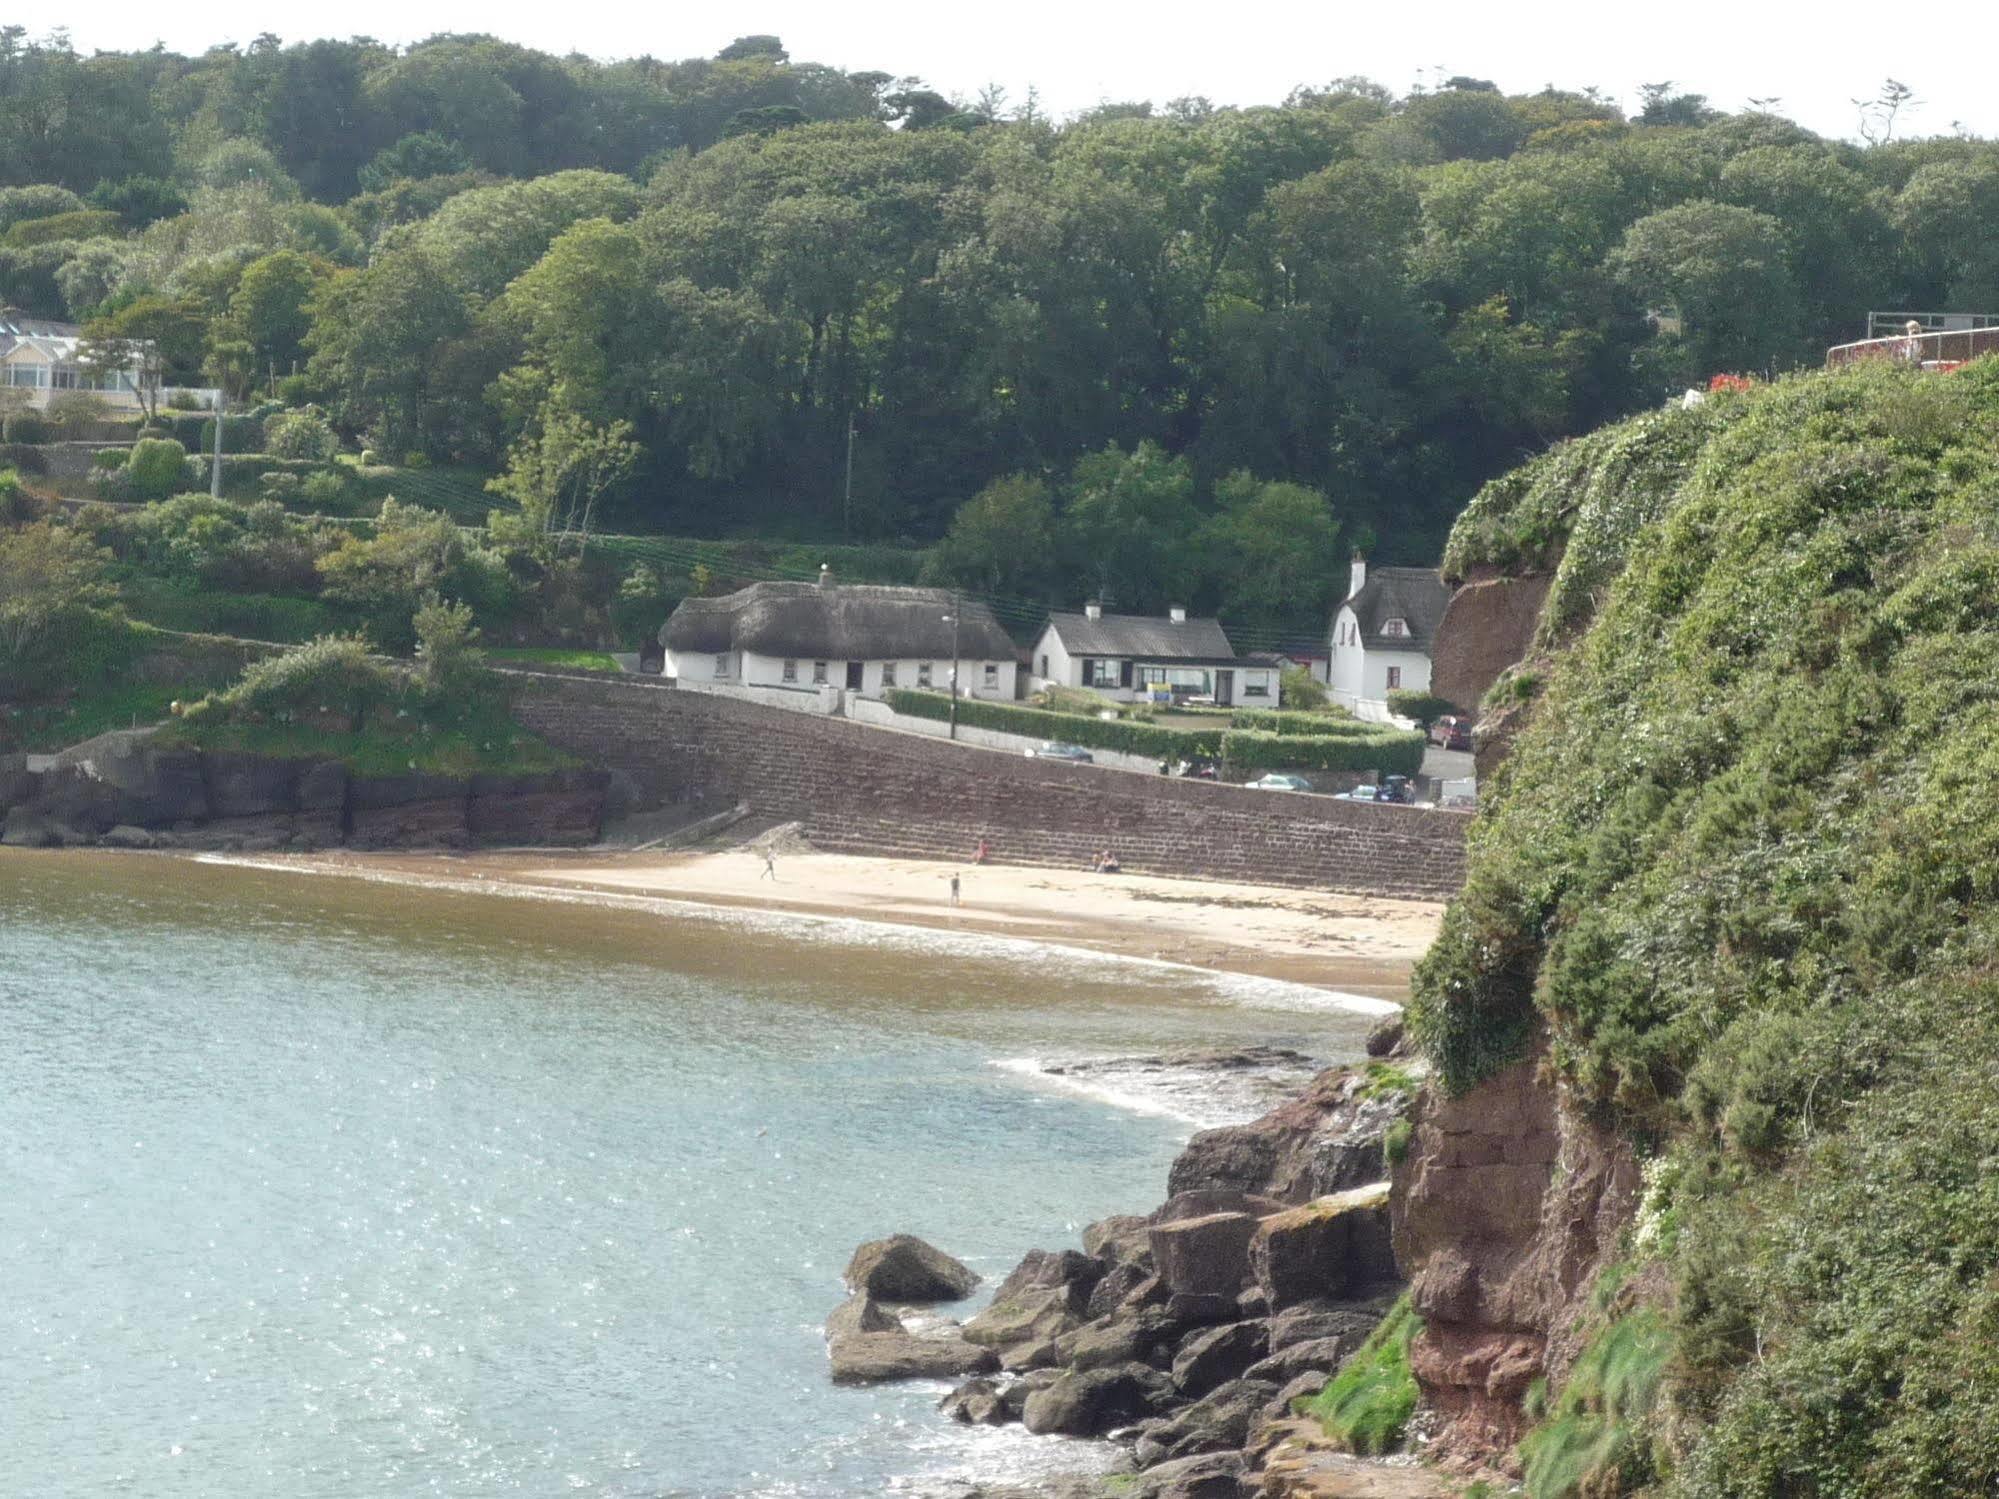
[(1054, 749), (1395, 789), (1358, 794), (1201, 768), (1275, 781), (1452, 731)]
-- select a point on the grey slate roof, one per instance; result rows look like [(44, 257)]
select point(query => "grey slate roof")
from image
[(54, 340), (1415, 595), (1143, 637), (837, 621)]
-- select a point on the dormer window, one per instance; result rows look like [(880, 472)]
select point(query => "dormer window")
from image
[(1395, 627)]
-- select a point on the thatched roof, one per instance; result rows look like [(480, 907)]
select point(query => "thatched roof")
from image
[(1143, 637), (837, 621), (1415, 595)]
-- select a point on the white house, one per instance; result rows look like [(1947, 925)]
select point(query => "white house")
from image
[(1382, 634), (43, 359), (860, 638), (1133, 657)]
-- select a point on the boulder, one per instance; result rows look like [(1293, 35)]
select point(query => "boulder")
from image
[(1310, 1321), (904, 1268), (976, 1402), (1386, 1039), (1218, 1422), (26, 827), (1089, 1402), (1328, 1247), (1201, 1201), (1327, 1139), (861, 1313), (1212, 1475), (1120, 1239), (1298, 1387), (1039, 1354), (1215, 1355), (1047, 1294), (1192, 1309), (124, 835), (874, 1357), (1125, 1338), (1117, 1286), (1013, 1397), (1204, 1256), (1319, 1356)]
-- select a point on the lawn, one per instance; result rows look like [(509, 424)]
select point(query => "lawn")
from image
[(553, 656)]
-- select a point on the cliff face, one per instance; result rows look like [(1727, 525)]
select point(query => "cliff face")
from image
[(1703, 1199)]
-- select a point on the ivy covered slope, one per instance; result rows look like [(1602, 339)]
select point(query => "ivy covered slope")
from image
[(1741, 866)]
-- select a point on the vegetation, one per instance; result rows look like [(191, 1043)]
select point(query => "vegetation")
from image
[(1425, 708), (1736, 868), (1366, 1406), (1379, 748), (1123, 735)]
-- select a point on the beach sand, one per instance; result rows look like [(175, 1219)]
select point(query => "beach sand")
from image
[(1361, 944)]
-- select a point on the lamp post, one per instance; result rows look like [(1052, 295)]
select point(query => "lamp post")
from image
[(953, 617)]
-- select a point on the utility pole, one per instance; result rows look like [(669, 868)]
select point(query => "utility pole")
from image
[(847, 504), (215, 473)]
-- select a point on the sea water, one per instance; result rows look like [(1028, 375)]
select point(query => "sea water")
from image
[(317, 1187)]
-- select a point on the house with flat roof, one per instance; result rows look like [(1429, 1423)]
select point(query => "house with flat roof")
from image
[(1382, 634), (1137, 658), (861, 638)]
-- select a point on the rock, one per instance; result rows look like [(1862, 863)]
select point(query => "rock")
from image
[(1252, 1304), (861, 1313), (1212, 1475), (124, 835), (1089, 1402), (1217, 1355), (1218, 1422), (1201, 1202), (1119, 1240), (1039, 1354), (976, 1402), (1299, 1387), (1327, 1139), (1047, 1294), (1328, 1247), (1204, 1256), (1013, 1397), (1386, 1039), (1117, 1286), (873, 1357), (904, 1268), (1122, 1339), (1309, 1321), (27, 828), (1319, 1356), (1195, 1310)]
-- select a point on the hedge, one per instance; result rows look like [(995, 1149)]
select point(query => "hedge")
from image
[(26, 458), (195, 431), (1309, 725), (1386, 751), (1122, 735)]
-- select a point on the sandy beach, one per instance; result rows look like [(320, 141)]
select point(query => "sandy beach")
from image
[(1362, 944)]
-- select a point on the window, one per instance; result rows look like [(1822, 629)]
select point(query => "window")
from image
[(1100, 673), (1044, 666), (722, 663), (1394, 677), (818, 673), (888, 673), (992, 676), (923, 674), (1395, 627), (1255, 684), (791, 671)]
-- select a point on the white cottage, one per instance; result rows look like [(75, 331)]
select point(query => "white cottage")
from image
[(1382, 635), (1134, 658), (862, 638)]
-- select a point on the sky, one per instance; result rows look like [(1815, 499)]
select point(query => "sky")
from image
[(1814, 58)]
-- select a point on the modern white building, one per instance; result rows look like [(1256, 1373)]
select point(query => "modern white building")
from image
[(854, 637), (40, 360), (1136, 658), (1382, 634)]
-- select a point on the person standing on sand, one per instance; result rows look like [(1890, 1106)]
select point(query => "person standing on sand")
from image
[(954, 889), (770, 866)]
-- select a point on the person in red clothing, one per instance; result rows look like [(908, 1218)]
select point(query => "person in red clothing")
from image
[(979, 853)]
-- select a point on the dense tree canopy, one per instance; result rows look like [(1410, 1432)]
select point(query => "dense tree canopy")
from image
[(1217, 346)]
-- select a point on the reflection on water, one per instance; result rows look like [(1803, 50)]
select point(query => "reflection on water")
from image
[(319, 1187)]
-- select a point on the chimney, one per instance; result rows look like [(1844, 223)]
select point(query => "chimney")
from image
[(1359, 573), (1178, 614), (825, 574), (1093, 610)]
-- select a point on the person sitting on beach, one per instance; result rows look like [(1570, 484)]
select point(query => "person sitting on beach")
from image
[(979, 853), (1107, 863)]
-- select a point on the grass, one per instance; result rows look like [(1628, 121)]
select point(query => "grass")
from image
[(1594, 1440), (1367, 1405), (45, 727), (555, 656), (487, 743)]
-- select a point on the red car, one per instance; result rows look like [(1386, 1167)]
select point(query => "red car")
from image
[(1452, 731)]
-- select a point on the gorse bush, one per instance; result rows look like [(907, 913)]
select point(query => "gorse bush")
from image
[(1738, 871)]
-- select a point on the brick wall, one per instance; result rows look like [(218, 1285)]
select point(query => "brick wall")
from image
[(862, 790)]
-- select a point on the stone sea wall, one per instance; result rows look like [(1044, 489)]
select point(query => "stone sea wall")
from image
[(862, 790)]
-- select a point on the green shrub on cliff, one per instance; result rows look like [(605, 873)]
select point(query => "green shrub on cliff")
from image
[(1596, 1437), (1741, 870), (1367, 1405)]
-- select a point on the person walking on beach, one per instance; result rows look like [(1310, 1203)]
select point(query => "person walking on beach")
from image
[(954, 889), (770, 866)]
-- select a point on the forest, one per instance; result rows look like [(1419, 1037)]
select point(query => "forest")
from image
[(1153, 350)]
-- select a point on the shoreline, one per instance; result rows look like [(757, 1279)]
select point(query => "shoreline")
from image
[(1358, 946)]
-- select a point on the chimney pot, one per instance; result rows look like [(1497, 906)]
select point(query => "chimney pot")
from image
[(1093, 610), (1177, 614)]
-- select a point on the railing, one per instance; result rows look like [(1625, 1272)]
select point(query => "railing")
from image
[(1928, 350), (1892, 324)]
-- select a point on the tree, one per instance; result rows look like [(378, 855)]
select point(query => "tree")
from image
[(1000, 540), (139, 201), (413, 158), (447, 643), (1274, 548), (159, 338), (47, 573), (558, 474), (1128, 531), (1726, 272), (270, 308), (378, 339)]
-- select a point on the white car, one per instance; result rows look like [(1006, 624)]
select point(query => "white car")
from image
[(1275, 781)]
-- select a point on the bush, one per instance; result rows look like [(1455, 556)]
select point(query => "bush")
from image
[(26, 459), (1385, 751), (297, 390), (110, 458), (80, 223), (156, 468), (333, 674), (446, 645), (1298, 689), (240, 434), (304, 433), (25, 426), (1425, 708), (182, 400), (1311, 725), (1129, 738), (77, 408)]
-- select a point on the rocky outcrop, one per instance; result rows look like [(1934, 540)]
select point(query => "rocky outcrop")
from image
[(1507, 1204), (1326, 1139), (875, 1357), (904, 1268), (213, 799), (1488, 625)]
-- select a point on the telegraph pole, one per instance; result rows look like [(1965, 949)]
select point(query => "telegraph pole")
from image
[(215, 473), (847, 504), (956, 611)]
